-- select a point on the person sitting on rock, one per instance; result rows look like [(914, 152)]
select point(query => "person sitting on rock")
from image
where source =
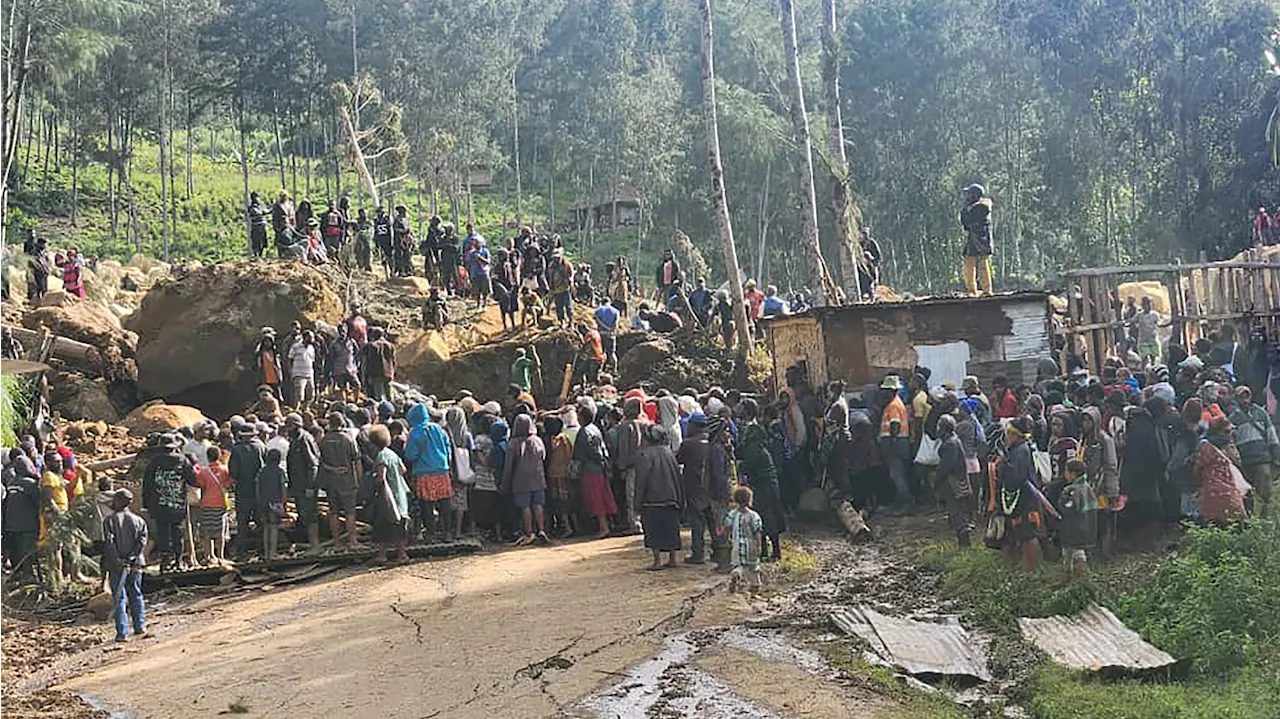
[(316, 253), (531, 307), (660, 322), (267, 406), (435, 313)]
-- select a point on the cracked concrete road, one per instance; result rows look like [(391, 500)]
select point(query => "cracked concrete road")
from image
[(513, 634)]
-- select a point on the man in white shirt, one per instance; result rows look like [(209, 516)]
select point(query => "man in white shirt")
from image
[(302, 361)]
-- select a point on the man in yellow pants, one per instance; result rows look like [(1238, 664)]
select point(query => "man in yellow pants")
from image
[(975, 217)]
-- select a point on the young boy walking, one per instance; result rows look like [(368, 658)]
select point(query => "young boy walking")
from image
[(1079, 509), (745, 528)]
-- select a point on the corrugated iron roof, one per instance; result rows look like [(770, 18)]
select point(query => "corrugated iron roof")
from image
[(923, 301), (1092, 640), (916, 647)]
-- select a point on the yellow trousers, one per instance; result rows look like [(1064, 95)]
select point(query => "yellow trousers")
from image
[(977, 271)]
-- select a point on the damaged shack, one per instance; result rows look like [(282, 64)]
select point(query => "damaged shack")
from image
[(1004, 334)]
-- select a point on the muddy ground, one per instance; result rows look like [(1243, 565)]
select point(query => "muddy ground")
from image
[(577, 630)]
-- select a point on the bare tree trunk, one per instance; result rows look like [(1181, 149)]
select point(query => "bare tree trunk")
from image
[(46, 139), (75, 171), (310, 144), (723, 222), (165, 182), (762, 226), (822, 290), (112, 120), (191, 184), (244, 174), (362, 168), (515, 143), (418, 187), (843, 204), (275, 123), (12, 91), (127, 178)]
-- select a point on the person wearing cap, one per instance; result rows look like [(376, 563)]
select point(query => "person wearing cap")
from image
[(164, 496), (1257, 443), (1220, 501), (895, 444), (975, 218), (704, 478), (124, 539), (248, 454)]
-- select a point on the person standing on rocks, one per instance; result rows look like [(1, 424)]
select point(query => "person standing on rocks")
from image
[(37, 268), (283, 221), (364, 240), (302, 369), (402, 243), (522, 370), (248, 454), (266, 358), (379, 365), (342, 355), (382, 238), (257, 225)]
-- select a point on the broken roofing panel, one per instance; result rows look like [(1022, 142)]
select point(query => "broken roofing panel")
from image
[(1092, 640), (917, 647)]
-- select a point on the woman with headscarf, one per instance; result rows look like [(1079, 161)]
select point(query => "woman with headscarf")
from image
[(1040, 434), (429, 453), (794, 471), (1220, 500), (953, 479), (593, 484), (455, 421), (490, 454), (756, 468), (1098, 452), (391, 511), (1015, 503), (669, 418), (1143, 464), (524, 477), (659, 496)]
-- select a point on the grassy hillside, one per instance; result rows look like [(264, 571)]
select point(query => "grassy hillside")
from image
[(209, 223)]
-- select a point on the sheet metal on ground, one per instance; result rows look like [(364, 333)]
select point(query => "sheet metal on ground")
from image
[(917, 647), (1092, 640)]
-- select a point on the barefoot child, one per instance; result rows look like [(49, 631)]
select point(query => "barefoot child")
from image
[(744, 527), (272, 484), (1079, 525)]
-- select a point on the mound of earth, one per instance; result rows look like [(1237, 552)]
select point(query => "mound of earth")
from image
[(82, 320), (77, 397), (160, 417), (197, 334)]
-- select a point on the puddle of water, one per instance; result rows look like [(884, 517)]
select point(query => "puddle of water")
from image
[(667, 686), (112, 712)]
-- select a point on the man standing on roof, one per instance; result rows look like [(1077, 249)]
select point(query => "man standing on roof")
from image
[(975, 217)]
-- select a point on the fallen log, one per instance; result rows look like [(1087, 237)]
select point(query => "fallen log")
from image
[(117, 463), (65, 349)]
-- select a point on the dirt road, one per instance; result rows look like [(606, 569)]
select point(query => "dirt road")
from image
[(512, 634), (579, 630)]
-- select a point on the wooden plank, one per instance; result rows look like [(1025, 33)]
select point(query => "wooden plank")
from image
[(118, 462), (1147, 269), (65, 349), (1177, 326)]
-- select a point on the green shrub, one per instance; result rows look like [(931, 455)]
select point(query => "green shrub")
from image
[(1216, 602)]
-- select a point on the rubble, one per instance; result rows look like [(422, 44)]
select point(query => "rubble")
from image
[(197, 334), (83, 321)]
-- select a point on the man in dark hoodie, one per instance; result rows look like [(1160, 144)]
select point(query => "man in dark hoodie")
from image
[(248, 454), (164, 494), (702, 475), (975, 217)]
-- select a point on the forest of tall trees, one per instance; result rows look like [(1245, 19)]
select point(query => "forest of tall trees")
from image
[(1107, 131)]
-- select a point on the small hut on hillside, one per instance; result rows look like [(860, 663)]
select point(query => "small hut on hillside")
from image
[(614, 208)]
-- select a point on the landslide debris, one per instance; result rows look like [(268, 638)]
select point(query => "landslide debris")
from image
[(196, 334)]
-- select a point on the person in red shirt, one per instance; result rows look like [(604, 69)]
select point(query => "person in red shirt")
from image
[(593, 348), (1006, 403), (213, 482)]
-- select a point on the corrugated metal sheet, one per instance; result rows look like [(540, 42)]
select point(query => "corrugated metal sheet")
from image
[(1029, 336), (931, 648), (1092, 640), (795, 340)]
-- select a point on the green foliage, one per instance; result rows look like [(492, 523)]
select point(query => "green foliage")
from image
[(1215, 603), (1054, 693), (913, 702), (995, 595), (15, 397)]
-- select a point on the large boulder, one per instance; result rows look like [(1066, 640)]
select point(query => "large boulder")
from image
[(196, 335), (77, 397), (160, 417), (640, 360)]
